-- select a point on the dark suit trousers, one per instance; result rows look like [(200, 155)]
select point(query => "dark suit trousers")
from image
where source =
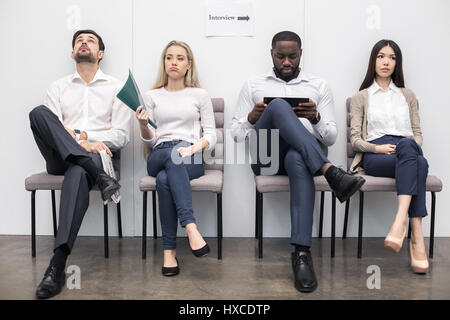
[(59, 149), (300, 157)]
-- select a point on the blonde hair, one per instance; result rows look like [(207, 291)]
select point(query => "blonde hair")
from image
[(190, 78)]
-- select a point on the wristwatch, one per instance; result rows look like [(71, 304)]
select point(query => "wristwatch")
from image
[(316, 118), (77, 134)]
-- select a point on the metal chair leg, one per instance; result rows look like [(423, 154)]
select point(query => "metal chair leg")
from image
[(55, 228), (360, 227), (119, 220), (105, 222), (260, 225), (219, 226), (33, 223), (347, 209), (433, 209), (322, 199), (155, 230), (144, 225), (333, 223), (256, 213), (409, 230)]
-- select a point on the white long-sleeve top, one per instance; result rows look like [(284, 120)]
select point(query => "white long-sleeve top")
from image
[(181, 115), (304, 86), (91, 107), (387, 113)]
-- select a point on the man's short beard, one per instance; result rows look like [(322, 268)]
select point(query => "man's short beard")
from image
[(85, 58)]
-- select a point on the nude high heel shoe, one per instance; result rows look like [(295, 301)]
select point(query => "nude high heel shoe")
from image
[(418, 266), (393, 243)]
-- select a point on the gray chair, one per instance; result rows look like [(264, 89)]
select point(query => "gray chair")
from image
[(211, 181), (379, 184), (269, 184), (45, 181)]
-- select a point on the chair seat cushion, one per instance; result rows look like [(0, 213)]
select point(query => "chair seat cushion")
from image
[(265, 184), (374, 184), (211, 181), (46, 181)]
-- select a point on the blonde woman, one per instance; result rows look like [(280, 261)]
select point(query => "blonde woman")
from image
[(385, 132), (185, 126)]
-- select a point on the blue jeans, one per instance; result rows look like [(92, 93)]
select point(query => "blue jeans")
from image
[(174, 189), (300, 157), (407, 166)]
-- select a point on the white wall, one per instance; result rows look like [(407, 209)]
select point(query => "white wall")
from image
[(36, 45)]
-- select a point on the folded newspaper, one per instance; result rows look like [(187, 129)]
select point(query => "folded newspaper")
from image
[(109, 169)]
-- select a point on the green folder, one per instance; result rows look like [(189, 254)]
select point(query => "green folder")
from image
[(131, 96)]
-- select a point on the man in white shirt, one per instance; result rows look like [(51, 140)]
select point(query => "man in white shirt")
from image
[(302, 128), (81, 117)]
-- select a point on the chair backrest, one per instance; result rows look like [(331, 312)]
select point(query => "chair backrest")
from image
[(218, 152), (350, 151)]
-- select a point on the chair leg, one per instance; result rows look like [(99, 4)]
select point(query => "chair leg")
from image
[(55, 229), (333, 223), (144, 225), (105, 222), (219, 226), (119, 220), (155, 226), (260, 225), (322, 199), (360, 227), (33, 223), (433, 209), (256, 213), (347, 209)]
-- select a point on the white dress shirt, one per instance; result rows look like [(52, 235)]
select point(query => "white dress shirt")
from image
[(304, 86), (387, 112), (91, 107), (181, 115)]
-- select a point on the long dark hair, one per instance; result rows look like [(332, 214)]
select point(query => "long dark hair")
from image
[(397, 75)]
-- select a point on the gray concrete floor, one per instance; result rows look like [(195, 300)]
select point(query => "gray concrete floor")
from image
[(239, 275)]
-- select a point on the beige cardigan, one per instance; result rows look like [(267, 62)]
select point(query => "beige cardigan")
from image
[(358, 123)]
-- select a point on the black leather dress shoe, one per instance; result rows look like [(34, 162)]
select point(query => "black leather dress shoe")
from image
[(305, 277), (107, 185), (343, 184), (171, 271), (203, 251), (52, 283)]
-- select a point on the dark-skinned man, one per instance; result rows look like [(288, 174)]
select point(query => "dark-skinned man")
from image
[(302, 129), (80, 118)]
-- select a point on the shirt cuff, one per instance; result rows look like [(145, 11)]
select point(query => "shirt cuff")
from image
[(91, 135), (211, 141)]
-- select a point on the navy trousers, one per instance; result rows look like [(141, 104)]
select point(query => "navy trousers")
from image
[(173, 187), (300, 157), (57, 147), (407, 166)]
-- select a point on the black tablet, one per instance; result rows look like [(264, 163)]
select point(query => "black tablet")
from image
[(293, 101)]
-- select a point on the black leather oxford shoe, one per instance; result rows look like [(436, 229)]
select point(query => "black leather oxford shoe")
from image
[(343, 184), (107, 185), (52, 283), (305, 277)]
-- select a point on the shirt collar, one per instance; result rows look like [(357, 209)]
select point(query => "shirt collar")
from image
[(301, 77), (375, 88), (99, 75)]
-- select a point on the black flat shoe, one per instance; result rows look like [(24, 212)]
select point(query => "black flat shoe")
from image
[(203, 251), (52, 283), (343, 184), (107, 185), (171, 271), (305, 277)]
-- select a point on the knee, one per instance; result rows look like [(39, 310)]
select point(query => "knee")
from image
[(278, 105), (406, 145), (37, 113), (422, 163)]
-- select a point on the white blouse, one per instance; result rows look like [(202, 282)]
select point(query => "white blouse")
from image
[(387, 113)]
